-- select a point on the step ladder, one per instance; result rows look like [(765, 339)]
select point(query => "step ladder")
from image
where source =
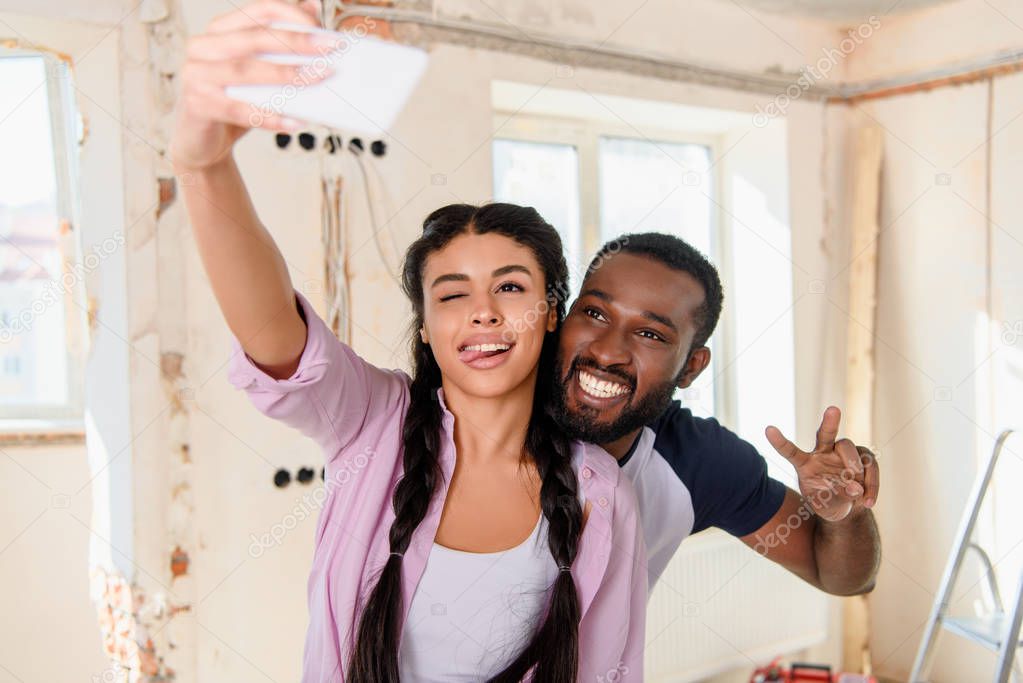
[(999, 631)]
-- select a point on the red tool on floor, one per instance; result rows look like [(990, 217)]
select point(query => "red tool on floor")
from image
[(799, 672)]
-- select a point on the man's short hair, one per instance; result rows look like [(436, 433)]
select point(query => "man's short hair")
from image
[(679, 255)]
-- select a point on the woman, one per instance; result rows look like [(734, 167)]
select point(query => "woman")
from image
[(455, 542)]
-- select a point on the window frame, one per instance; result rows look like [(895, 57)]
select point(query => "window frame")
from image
[(584, 135), (18, 422)]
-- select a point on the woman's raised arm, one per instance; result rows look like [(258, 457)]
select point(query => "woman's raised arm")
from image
[(246, 270)]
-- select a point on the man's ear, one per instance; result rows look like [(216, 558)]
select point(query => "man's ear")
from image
[(699, 359)]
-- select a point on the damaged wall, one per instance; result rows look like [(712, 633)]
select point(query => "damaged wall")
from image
[(49, 525), (244, 568), (211, 590), (193, 592), (130, 560), (950, 306), (165, 515)]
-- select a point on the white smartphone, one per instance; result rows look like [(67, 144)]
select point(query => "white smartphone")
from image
[(370, 86)]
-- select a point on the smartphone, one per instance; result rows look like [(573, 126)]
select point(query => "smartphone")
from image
[(370, 86)]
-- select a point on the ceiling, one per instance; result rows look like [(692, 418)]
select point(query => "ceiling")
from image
[(837, 10)]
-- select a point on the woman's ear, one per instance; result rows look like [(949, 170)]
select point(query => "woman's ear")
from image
[(423, 335), (552, 318)]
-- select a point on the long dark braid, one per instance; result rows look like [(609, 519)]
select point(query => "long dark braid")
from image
[(552, 651)]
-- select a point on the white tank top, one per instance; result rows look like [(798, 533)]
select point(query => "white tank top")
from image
[(473, 613)]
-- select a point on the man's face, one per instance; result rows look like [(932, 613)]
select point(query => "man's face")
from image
[(624, 347)]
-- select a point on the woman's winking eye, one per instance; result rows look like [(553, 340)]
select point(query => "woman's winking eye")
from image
[(503, 287)]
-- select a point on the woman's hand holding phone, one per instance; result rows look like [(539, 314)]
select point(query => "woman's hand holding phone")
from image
[(208, 121), (246, 270)]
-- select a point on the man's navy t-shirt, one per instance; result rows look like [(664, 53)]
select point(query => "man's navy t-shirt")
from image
[(690, 473)]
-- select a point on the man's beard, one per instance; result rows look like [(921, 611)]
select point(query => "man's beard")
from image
[(585, 425)]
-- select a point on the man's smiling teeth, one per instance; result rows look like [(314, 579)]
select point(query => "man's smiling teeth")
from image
[(600, 388), (487, 347)]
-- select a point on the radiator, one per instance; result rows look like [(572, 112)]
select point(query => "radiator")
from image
[(721, 606)]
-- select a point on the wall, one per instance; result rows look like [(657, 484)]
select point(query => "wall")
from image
[(50, 529), (955, 32), (246, 614), (236, 452), (942, 312), (44, 566)]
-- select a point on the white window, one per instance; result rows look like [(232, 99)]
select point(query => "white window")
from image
[(41, 320), (595, 181), (597, 166)]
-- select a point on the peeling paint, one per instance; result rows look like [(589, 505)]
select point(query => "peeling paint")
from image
[(153, 11), (137, 611), (18, 44), (171, 363), (379, 28), (170, 366), (92, 313), (168, 192), (179, 490), (179, 562), (125, 621)]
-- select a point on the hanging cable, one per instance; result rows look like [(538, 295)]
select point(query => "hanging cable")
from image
[(357, 153)]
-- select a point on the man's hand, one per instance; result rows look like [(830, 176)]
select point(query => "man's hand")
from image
[(837, 475)]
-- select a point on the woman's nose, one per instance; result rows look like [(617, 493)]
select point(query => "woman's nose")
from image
[(486, 317)]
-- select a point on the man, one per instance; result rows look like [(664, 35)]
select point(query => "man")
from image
[(639, 329)]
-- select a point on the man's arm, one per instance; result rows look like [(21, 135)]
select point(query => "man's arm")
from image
[(827, 535), (839, 557)]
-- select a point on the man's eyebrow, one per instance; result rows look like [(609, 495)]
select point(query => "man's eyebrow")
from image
[(462, 277), (599, 293), (649, 315), (658, 318)]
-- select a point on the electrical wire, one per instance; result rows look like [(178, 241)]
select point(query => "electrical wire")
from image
[(357, 153)]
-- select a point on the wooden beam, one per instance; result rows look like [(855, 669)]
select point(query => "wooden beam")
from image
[(859, 396)]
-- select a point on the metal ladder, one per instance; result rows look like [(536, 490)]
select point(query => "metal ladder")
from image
[(999, 631)]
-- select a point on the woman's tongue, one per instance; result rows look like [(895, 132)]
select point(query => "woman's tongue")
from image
[(468, 356)]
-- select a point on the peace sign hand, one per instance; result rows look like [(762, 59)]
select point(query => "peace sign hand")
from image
[(837, 475)]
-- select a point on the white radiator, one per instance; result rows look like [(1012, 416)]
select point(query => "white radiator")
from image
[(719, 606)]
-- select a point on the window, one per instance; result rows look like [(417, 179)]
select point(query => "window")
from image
[(548, 175), (720, 182), (599, 165), (40, 318), (596, 181)]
